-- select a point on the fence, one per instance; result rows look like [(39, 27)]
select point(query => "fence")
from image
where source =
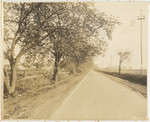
[(22, 73)]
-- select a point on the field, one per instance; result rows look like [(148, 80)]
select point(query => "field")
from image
[(131, 79), (130, 75), (134, 71), (125, 71)]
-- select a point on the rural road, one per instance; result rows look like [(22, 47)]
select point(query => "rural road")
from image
[(98, 97)]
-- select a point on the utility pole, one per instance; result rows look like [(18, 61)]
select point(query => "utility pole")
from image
[(141, 19)]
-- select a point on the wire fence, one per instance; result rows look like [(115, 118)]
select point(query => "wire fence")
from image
[(26, 73)]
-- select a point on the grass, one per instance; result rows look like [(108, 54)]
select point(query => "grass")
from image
[(31, 80), (35, 93), (135, 78), (31, 83)]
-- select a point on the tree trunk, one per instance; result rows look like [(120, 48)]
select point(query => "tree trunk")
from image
[(10, 82), (13, 78), (55, 72), (55, 68), (57, 60), (6, 83)]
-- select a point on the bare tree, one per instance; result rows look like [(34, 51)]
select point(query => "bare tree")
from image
[(123, 55)]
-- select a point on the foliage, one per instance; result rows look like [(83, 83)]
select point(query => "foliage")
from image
[(55, 32), (74, 30)]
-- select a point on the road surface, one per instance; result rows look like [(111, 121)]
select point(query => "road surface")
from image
[(97, 97)]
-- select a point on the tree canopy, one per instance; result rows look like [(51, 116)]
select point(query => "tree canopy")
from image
[(75, 30), (64, 31)]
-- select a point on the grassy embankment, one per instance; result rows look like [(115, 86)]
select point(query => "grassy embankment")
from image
[(129, 79), (135, 78), (33, 93)]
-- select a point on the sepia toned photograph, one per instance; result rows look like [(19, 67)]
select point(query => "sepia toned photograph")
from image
[(74, 60)]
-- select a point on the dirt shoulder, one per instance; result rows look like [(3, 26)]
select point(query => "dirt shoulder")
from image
[(41, 103), (137, 88)]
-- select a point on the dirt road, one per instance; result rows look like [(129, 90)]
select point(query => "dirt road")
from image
[(98, 97)]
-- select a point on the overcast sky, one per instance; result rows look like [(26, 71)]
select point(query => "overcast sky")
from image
[(127, 35)]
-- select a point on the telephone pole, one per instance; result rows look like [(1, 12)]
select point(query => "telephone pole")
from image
[(141, 19)]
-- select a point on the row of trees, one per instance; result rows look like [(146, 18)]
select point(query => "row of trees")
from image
[(55, 32)]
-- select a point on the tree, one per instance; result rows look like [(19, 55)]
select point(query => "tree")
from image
[(21, 33), (66, 31), (74, 31), (123, 55)]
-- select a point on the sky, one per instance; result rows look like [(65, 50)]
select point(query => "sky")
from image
[(127, 35)]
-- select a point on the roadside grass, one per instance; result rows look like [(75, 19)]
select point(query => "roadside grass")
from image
[(33, 92), (37, 92), (31, 83), (135, 78)]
